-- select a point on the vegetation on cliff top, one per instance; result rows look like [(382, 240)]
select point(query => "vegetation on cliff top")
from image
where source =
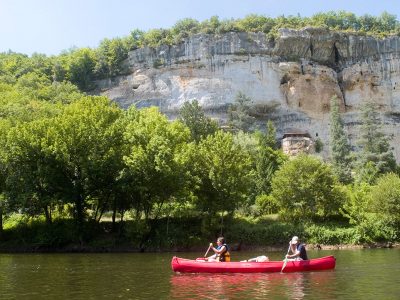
[(85, 65), (380, 26)]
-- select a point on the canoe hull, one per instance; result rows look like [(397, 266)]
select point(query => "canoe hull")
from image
[(198, 266)]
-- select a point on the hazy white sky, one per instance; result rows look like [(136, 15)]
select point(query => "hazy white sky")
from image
[(50, 26)]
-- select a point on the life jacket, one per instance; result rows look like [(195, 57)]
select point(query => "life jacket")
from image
[(224, 256)]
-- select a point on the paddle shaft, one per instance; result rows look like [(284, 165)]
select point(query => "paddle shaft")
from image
[(285, 260), (207, 250)]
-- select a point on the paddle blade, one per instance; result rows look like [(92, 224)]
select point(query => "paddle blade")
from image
[(284, 264)]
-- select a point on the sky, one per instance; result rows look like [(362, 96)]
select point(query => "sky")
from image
[(51, 26)]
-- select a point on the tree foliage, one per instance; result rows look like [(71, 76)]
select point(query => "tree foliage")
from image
[(380, 26), (192, 115), (239, 113), (305, 187), (340, 147), (68, 157), (155, 161), (222, 169), (385, 196), (268, 159), (373, 209), (375, 157)]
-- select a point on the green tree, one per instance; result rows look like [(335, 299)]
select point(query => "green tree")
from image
[(185, 28), (135, 39), (268, 159), (80, 68), (374, 210), (1, 214), (155, 165), (192, 115), (157, 37), (222, 169), (270, 136), (110, 57), (4, 126), (85, 143), (305, 187), (32, 177), (340, 147), (256, 23), (385, 196), (387, 22), (375, 156), (210, 26), (239, 113), (154, 161), (15, 65), (385, 206)]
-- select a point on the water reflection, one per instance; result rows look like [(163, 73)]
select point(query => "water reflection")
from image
[(254, 286), (237, 286)]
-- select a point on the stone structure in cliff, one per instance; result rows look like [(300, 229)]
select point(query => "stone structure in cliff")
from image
[(295, 142), (290, 80)]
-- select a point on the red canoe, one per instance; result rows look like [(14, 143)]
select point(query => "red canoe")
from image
[(201, 266)]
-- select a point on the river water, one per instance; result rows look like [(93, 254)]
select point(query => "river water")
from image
[(359, 274)]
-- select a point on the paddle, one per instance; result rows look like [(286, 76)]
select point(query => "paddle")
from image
[(209, 247), (205, 255), (285, 260)]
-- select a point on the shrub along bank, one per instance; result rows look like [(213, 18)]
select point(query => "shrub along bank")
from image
[(171, 234)]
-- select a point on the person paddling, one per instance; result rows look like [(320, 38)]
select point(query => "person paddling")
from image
[(297, 249), (221, 252)]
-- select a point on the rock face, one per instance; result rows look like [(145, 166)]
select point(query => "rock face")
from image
[(290, 80)]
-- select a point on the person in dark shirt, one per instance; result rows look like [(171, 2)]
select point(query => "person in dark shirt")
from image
[(297, 249)]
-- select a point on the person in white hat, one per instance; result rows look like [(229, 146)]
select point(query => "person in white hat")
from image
[(297, 249)]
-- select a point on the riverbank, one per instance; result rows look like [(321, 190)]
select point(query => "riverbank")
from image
[(188, 234), (76, 248)]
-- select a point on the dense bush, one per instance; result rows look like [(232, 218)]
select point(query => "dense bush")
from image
[(262, 232), (305, 187), (333, 234), (372, 209), (380, 26), (385, 196), (36, 234)]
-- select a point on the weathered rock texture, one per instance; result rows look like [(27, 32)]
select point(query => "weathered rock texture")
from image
[(290, 80), (296, 143)]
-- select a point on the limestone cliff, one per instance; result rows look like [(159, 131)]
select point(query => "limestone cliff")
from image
[(290, 80)]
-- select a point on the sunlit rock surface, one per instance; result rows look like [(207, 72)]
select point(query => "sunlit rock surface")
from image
[(290, 80)]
